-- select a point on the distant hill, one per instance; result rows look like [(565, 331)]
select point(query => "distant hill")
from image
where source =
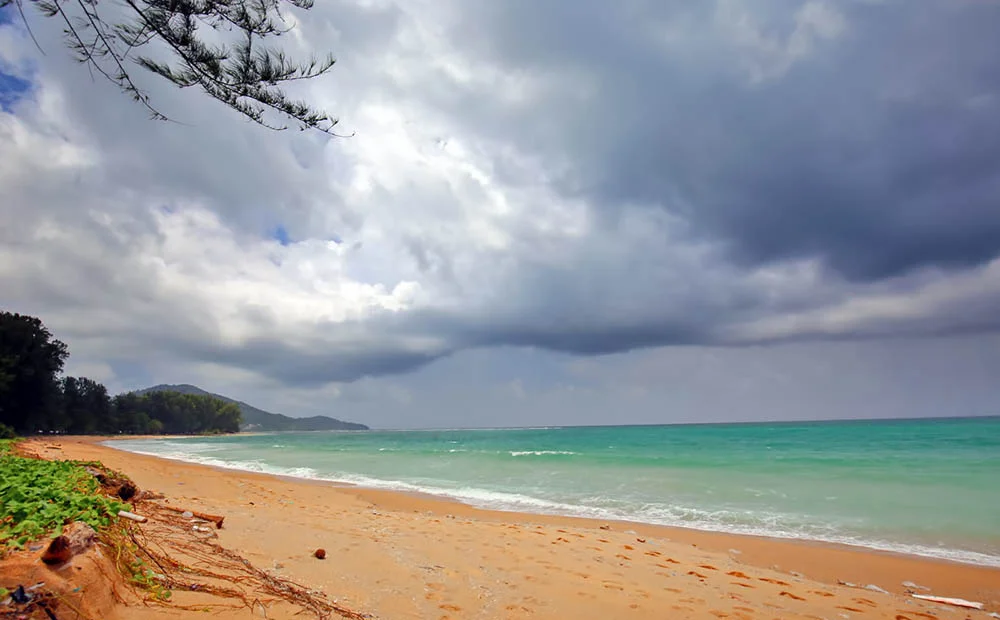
[(255, 419)]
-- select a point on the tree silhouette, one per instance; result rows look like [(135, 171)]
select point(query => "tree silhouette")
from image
[(222, 46)]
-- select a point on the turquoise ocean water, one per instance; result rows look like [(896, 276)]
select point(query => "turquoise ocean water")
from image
[(930, 487)]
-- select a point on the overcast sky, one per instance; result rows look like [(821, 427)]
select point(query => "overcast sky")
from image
[(560, 212)]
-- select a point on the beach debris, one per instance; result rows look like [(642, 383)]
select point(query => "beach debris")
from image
[(126, 491), (605, 527), (847, 583), (199, 528), (131, 515), (187, 514), (913, 586), (76, 538), (957, 602), (993, 615), (320, 554), (20, 596), (794, 573), (642, 540), (875, 588)]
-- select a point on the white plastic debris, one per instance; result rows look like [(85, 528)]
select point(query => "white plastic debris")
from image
[(131, 515), (875, 588)]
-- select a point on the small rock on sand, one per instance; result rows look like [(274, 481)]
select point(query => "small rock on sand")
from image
[(913, 586), (320, 554), (76, 538)]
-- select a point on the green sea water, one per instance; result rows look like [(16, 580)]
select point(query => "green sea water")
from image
[(929, 487)]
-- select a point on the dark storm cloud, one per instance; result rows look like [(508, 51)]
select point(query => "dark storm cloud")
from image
[(872, 144), (582, 177)]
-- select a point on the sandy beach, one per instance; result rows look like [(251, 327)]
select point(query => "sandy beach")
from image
[(394, 555)]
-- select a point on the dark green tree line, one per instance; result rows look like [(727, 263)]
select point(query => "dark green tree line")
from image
[(34, 398)]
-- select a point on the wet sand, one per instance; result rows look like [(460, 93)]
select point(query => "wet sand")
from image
[(396, 555)]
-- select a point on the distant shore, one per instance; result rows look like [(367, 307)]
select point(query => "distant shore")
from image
[(399, 555)]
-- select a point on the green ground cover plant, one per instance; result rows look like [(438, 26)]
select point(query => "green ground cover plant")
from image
[(38, 497)]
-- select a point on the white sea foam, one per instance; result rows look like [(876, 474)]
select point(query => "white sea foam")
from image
[(748, 522), (539, 452)]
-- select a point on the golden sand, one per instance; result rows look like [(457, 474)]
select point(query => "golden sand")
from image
[(396, 556)]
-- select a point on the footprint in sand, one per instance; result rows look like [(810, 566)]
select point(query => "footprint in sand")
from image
[(821, 593), (742, 585), (864, 601), (707, 567), (655, 554), (697, 574), (629, 547), (448, 607), (776, 582), (736, 573), (794, 597), (854, 609)]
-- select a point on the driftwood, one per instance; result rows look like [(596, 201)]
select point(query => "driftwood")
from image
[(957, 602), (216, 519), (131, 515)]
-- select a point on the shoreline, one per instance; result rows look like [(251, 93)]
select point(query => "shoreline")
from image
[(441, 522), (446, 498)]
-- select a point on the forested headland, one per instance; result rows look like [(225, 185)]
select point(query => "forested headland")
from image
[(35, 397)]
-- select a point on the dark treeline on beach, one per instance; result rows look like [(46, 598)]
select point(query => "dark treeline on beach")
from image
[(35, 398)]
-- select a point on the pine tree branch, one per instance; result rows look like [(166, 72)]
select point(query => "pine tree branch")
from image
[(246, 77)]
